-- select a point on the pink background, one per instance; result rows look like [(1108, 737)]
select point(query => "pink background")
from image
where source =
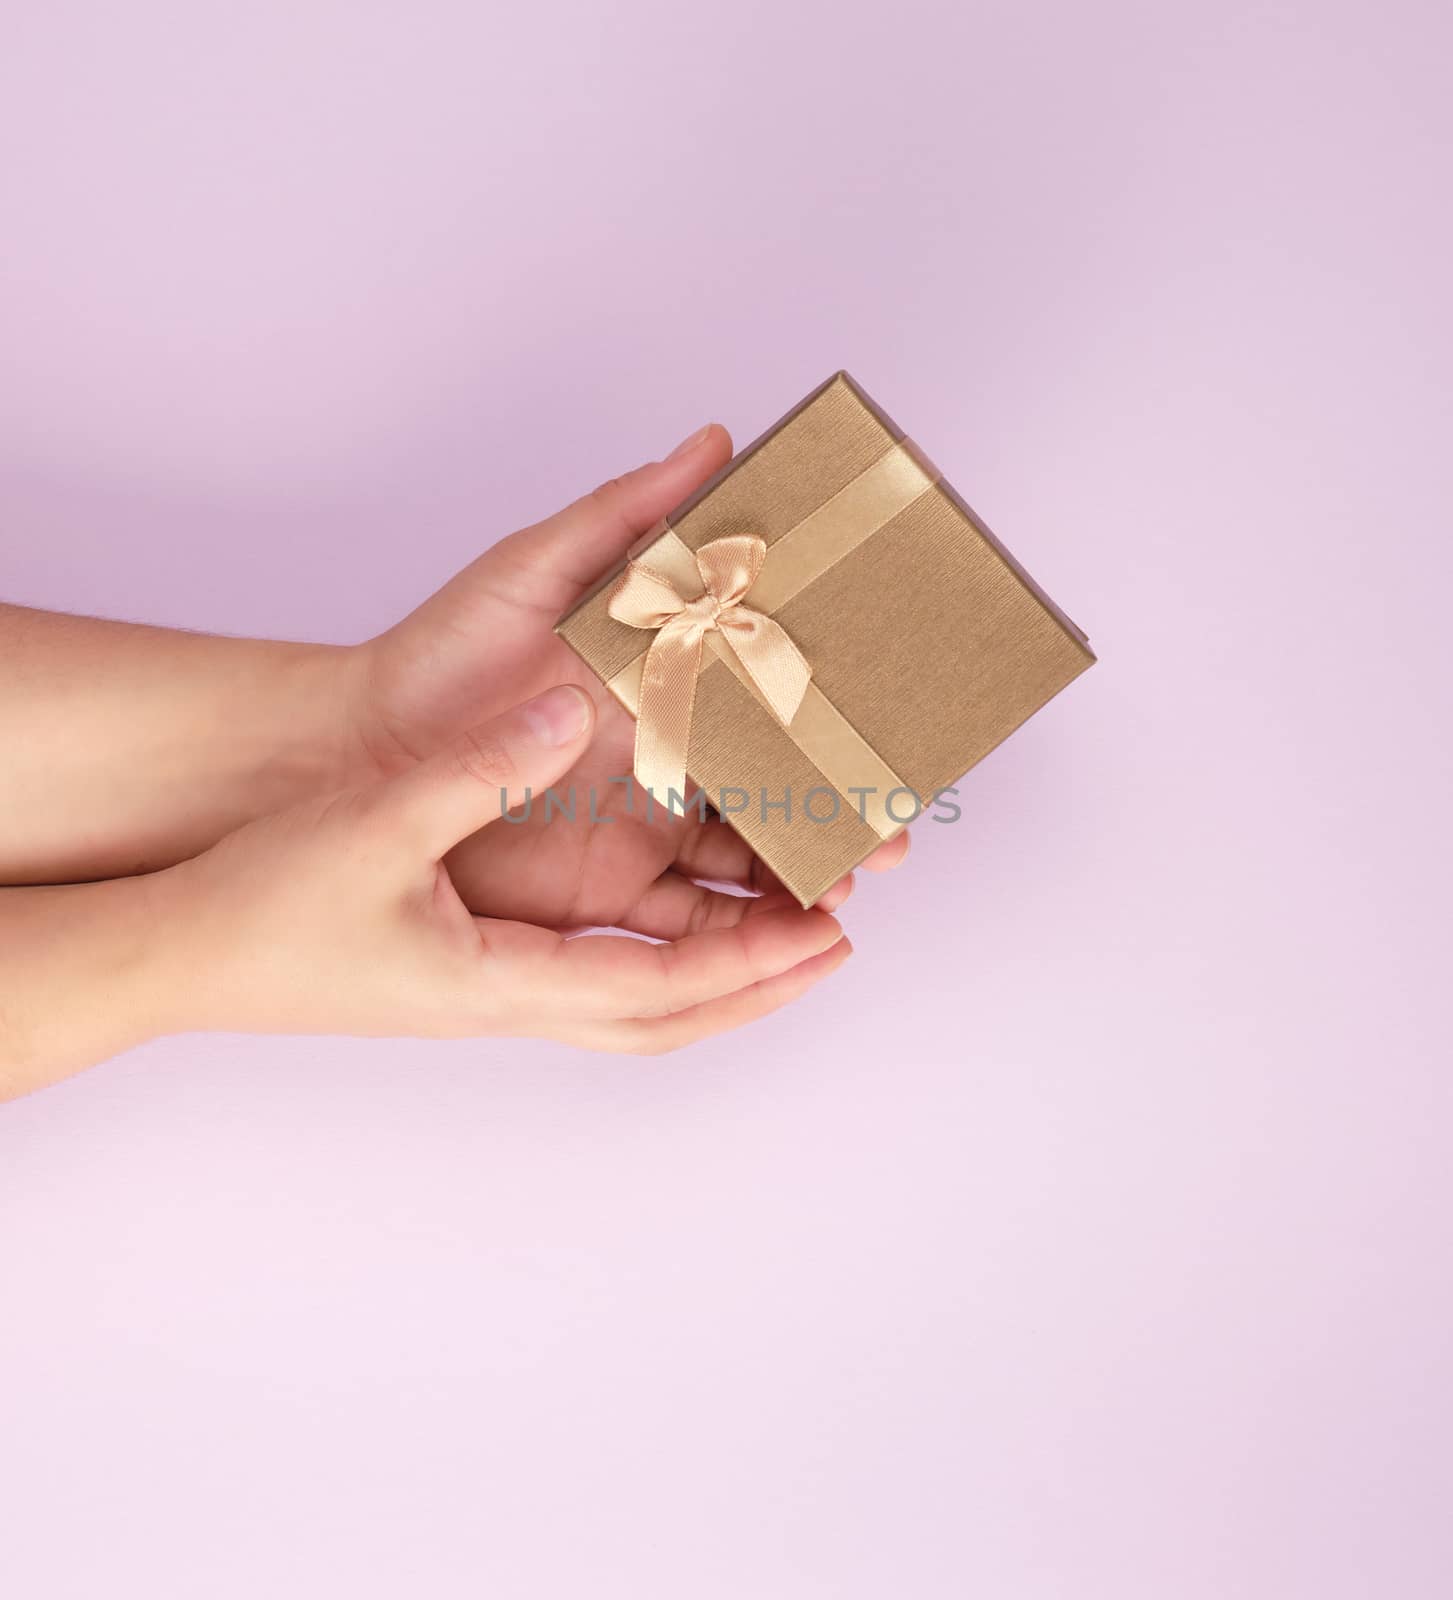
[(1089, 1237)]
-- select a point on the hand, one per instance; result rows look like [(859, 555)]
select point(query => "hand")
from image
[(338, 916), (484, 642)]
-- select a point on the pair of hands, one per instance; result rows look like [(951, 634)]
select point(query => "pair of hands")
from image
[(400, 904)]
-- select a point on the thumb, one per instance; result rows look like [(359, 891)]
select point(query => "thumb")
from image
[(491, 768)]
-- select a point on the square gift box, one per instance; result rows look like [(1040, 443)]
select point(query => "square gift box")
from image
[(823, 637)]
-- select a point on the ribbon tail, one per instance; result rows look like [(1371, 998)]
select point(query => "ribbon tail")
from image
[(663, 721), (778, 668)]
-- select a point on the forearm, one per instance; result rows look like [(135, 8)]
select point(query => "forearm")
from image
[(86, 971), (124, 748)]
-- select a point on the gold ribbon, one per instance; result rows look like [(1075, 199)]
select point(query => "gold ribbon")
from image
[(646, 598), (695, 602)]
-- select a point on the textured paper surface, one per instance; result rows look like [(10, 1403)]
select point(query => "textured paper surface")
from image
[(927, 637)]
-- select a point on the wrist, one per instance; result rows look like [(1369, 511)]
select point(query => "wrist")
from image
[(90, 971), (366, 749), (309, 741), (375, 745), (179, 739), (170, 974)]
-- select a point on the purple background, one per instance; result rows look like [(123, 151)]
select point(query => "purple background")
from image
[(1089, 1237)]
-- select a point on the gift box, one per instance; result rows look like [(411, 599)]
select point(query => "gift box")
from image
[(823, 638)]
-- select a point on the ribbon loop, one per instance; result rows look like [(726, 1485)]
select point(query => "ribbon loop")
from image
[(646, 598)]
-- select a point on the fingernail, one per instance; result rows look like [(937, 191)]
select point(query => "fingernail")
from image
[(691, 443), (557, 716)]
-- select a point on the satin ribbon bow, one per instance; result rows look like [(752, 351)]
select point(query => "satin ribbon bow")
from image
[(645, 598)]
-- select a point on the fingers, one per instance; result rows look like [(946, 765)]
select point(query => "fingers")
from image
[(613, 977), (488, 770), (721, 855), (576, 545), (674, 906), (656, 1035), (713, 851), (600, 977), (891, 853), (837, 894)]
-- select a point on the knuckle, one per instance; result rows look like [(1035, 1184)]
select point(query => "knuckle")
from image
[(484, 757), (610, 501), (705, 913), (608, 493)]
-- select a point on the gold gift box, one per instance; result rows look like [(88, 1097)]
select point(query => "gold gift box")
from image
[(928, 642)]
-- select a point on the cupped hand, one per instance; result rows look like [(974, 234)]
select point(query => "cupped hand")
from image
[(485, 641), (339, 916)]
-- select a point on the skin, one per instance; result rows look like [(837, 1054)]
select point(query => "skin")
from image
[(305, 839), (419, 680), (338, 915)]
